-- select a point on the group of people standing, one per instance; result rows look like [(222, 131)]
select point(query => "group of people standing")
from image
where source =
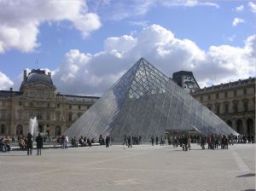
[(132, 140), (213, 141), (156, 140), (29, 144), (84, 141)]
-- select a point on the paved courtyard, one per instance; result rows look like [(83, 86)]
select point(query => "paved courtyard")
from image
[(139, 168)]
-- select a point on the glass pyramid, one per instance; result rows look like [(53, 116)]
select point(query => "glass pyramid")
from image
[(145, 102)]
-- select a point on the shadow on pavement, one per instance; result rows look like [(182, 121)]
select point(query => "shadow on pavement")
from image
[(246, 175)]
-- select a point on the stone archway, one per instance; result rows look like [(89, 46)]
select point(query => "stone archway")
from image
[(19, 130), (239, 126), (250, 129), (57, 131)]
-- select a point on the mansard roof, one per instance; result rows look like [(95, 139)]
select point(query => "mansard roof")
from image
[(9, 93), (225, 86)]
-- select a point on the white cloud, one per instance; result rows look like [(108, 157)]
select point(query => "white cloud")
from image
[(20, 20), (189, 3), (239, 8), (237, 21), (252, 6), (122, 44), (120, 9), (97, 72), (5, 82), (226, 63)]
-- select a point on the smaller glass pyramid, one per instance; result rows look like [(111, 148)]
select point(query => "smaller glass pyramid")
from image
[(145, 102)]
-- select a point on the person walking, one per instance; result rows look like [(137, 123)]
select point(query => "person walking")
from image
[(39, 143), (29, 144), (129, 142), (152, 140), (107, 141)]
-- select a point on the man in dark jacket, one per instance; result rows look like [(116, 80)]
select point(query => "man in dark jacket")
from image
[(39, 143), (29, 144), (107, 141)]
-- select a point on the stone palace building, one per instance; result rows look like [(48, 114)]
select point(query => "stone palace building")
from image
[(233, 102), (38, 98)]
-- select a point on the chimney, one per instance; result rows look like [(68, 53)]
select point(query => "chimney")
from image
[(25, 75), (49, 74)]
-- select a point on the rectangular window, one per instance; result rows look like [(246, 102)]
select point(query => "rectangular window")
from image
[(48, 116), (217, 108), (245, 105), (245, 91), (226, 94), (226, 108)]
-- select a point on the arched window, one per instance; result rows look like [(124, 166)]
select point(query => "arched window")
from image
[(19, 130), (2, 130), (229, 123), (57, 131), (250, 127), (239, 126)]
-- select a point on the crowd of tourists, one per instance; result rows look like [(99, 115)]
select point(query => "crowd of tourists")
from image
[(25, 143), (83, 141), (183, 141), (212, 141)]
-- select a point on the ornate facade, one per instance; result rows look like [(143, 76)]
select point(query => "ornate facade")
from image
[(234, 102), (38, 97)]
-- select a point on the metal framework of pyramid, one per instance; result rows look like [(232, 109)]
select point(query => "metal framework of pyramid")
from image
[(145, 102)]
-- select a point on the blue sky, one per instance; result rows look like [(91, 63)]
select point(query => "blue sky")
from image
[(94, 42)]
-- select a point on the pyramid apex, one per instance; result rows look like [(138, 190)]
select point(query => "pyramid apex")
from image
[(142, 60)]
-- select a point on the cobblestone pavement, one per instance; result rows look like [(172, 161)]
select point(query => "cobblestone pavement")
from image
[(139, 168)]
